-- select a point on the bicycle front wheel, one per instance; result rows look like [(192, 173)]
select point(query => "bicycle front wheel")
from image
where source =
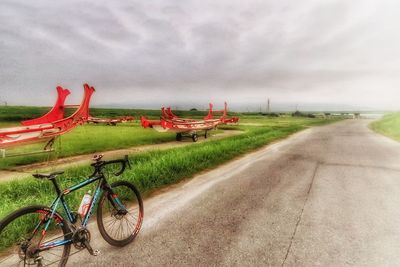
[(23, 238), (120, 228)]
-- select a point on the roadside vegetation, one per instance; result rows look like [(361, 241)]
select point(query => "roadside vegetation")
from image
[(156, 169), (89, 138), (389, 125), (151, 170), (92, 138)]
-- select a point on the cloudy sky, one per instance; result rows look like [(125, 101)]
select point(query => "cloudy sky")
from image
[(315, 54)]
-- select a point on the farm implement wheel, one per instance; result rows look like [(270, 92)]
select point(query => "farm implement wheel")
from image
[(195, 137), (178, 137)]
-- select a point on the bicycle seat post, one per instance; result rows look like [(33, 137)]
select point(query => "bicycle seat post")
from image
[(58, 190)]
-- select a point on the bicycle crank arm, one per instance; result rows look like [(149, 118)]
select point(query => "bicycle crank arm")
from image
[(92, 252), (38, 261)]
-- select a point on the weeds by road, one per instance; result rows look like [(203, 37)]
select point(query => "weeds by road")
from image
[(389, 125)]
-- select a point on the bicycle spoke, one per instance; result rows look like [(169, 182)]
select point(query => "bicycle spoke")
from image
[(120, 230), (112, 223), (118, 233), (111, 226), (129, 223), (127, 227)]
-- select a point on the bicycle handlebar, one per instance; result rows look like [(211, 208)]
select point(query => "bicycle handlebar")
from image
[(98, 165)]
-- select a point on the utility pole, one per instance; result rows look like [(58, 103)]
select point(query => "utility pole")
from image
[(268, 106)]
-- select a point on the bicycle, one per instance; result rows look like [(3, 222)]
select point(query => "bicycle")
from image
[(40, 236)]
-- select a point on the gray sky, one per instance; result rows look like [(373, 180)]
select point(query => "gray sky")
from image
[(331, 54)]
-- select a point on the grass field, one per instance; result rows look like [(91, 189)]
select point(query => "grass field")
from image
[(90, 138), (93, 138), (151, 170), (389, 125)]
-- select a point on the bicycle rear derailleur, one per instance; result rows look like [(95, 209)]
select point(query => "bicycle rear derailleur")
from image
[(81, 240), (29, 254)]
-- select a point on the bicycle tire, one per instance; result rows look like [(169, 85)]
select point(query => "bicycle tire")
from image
[(135, 206), (8, 234)]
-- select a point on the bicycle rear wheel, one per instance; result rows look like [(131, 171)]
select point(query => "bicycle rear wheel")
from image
[(21, 235), (120, 229)]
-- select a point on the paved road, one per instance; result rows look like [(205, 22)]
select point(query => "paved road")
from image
[(329, 196)]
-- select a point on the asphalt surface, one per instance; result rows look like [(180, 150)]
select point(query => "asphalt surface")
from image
[(328, 196)]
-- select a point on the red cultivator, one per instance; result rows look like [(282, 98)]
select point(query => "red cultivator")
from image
[(223, 117), (171, 122), (56, 113), (49, 126)]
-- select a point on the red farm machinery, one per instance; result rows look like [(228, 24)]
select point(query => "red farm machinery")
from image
[(49, 126), (170, 122)]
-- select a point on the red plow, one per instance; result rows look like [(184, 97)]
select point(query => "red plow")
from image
[(185, 126), (50, 125)]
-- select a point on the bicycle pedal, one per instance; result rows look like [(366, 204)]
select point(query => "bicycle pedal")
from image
[(38, 261), (93, 252)]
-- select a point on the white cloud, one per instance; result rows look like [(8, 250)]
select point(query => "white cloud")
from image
[(193, 51)]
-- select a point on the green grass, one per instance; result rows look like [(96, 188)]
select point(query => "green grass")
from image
[(153, 170), (389, 125), (99, 138), (90, 138)]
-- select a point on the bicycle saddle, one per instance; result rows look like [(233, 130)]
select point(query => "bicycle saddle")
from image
[(47, 175)]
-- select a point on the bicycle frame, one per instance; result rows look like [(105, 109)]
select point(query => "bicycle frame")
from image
[(71, 217)]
